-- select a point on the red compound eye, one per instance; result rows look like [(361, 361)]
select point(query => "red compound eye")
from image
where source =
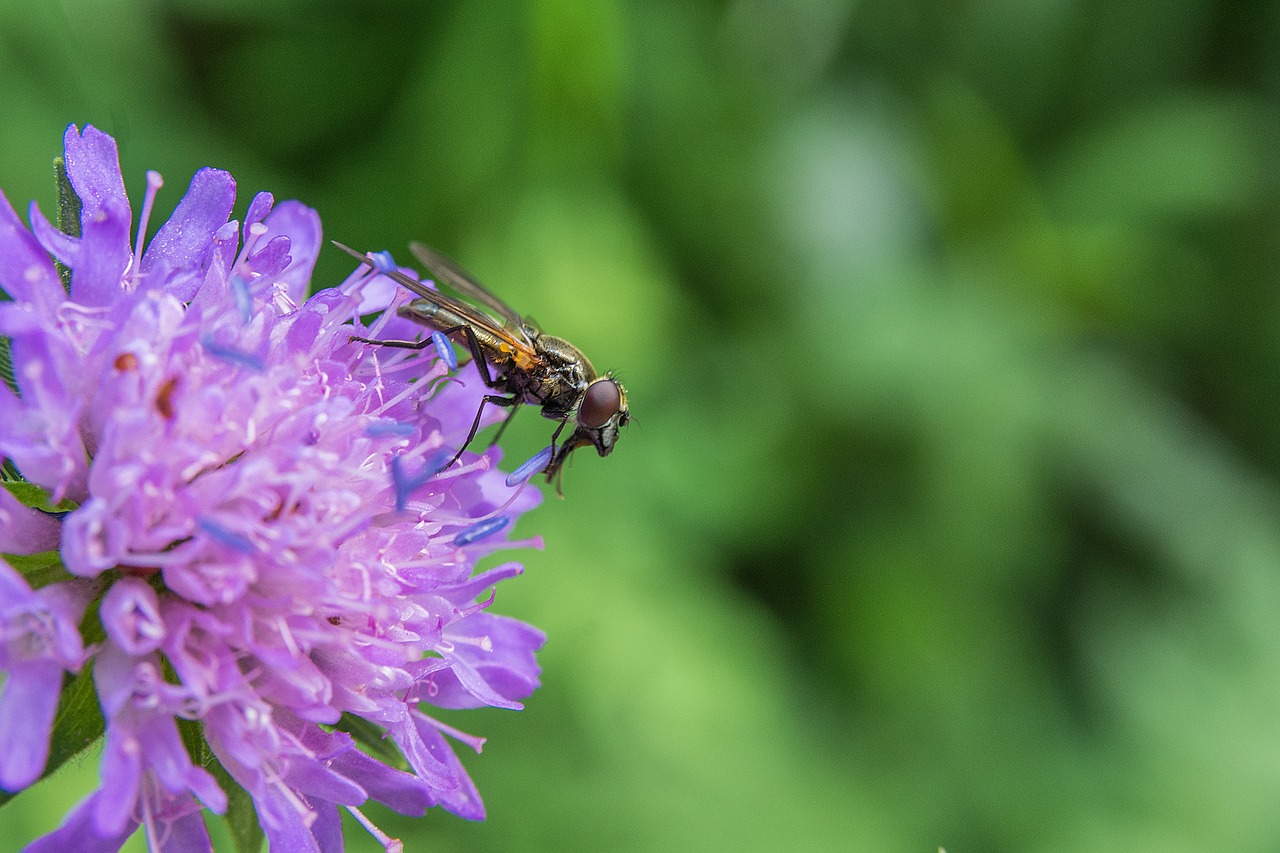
[(601, 402)]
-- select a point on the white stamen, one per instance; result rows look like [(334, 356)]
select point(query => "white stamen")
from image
[(391, 845), (154, 183)]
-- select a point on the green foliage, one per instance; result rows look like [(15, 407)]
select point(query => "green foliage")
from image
[(949, 514)]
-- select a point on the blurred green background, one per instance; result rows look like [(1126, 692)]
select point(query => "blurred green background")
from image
[(950, 512)]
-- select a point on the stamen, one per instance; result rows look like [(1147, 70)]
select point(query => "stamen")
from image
[(409, 390), (391, 845), (252, 234), (537, 462), (401, 296), (233, 355), (437, 460), (154, 183), (383, 262), (481, 530), (382, 428), (404, 483), (243, 301), (474, 741), (444, 349), (236, 541)]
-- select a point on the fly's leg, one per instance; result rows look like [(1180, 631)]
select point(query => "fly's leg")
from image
[(515, 407), (486, 376), (556, 435), (423, 344), (475, 424), (482, 365), (473, 345)]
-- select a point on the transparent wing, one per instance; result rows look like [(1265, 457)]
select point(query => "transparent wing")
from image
[(464, 310), (448, 270)]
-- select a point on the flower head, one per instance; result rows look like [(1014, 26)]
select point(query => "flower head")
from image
[(257, 510)]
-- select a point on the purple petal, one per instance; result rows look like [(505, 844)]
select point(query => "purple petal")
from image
[(474, 586), (285, 827), (27, 706), (93, 167), (327, 829), (93, 539), (258, 209), (310, 777), (435, 771), (103, 256), (185, 241), (463, 800), (67, 601), (24, 530), (186, 834), (49, 454), (131, 615), (60, 244), (301, 225), (26, 273), (399, 791), (270, 258), (80, 833), (121, 770), (216, 276), (493, 663)]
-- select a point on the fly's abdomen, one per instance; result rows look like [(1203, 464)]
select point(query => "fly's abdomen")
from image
[(424, 312)]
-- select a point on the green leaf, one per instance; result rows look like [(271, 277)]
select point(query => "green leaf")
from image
[(6, 366), (29, 494), (374, 739), (241, 816), (191, 731), (39, 570)]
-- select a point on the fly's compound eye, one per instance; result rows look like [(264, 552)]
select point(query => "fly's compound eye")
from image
[(601, 402)]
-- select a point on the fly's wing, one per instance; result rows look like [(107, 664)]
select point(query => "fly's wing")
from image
[(448, 270), (464, 310)]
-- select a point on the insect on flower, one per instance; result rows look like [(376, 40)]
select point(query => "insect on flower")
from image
[(514, 358)]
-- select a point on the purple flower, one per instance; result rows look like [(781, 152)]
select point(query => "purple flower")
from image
[(256, 512)]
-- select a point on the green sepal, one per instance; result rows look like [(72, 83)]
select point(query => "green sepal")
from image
[(6, 370), (39, 570), (69, 207), (29, 494), (241, 816), (373, 739)]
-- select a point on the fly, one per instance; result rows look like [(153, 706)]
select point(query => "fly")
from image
[(515, 360)]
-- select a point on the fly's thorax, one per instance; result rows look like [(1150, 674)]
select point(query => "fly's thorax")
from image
[(566, 359)]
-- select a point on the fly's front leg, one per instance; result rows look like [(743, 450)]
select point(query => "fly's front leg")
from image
[(515, 407), (556, 435)]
